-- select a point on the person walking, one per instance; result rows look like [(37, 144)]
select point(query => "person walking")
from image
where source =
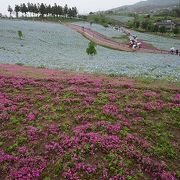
[(177, 52), (172, 50)]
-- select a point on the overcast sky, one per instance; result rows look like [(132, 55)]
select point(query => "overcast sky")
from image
[(84, 6)]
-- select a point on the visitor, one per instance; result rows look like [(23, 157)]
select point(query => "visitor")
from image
[(177, 52), (131, 43), (172, 50), (139, 44), (83, 28), (134, 46)]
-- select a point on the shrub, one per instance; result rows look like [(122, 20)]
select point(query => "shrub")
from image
[(20, 34)]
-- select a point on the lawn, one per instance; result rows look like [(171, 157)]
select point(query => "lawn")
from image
[(68, 125)]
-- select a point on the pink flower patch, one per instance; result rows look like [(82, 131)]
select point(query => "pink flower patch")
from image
[(176, 99), (31, 117), (110, 110)]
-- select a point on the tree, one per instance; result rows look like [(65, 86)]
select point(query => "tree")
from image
[(59, 10), (42, 9), (105, 25), (74, 11), (54, 10), (136, 24), (91, 50), (162, 29), (17, 9), (65, 10), (155, 28), (48, 10), (144, 25), (24, 8), (176, 30), (30, 8), (10, 10)]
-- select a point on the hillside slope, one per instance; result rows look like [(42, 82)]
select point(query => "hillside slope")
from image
[(149, 5)]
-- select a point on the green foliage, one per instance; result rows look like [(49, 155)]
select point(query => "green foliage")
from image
[(144, 24), (105, 25), (164, 148), (162, 29), (176, 30), (58, 167), (99, 19), (20, 34), (14, 120), (11, 148), (136, 24), (21, 140), (124, 132), (1, 143), (19, 64), (91, 50)]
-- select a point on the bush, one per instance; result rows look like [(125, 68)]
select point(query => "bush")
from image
[(162, 29), (176, 30), (91, 50), (20, 34)]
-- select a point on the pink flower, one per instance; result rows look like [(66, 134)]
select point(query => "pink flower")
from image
[(110, 110), (31, 117), (176, 99)]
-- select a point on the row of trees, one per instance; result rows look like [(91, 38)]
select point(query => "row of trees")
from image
[(151, 27), (43, 9)]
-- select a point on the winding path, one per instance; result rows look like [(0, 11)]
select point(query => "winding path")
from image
[(104, 41)]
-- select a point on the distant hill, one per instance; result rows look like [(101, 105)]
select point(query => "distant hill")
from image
[(149, 5)]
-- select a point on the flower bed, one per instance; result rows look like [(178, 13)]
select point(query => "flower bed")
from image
[(60, 125), (57, 47)]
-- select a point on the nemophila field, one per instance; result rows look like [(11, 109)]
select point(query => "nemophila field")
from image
[(68, 125), (57, 47)]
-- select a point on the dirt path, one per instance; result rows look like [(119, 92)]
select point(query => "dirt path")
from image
[(104, 41)]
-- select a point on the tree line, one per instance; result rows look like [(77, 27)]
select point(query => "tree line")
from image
[(150, 26), (43, 10)]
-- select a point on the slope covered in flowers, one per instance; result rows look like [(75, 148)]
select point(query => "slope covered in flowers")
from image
[(60, 125)]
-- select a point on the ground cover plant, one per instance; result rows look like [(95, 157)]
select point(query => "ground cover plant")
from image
[(64, 125)]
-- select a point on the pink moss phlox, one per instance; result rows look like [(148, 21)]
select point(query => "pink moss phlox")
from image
[(110, 109), (23, 150), (53, 129), (4, 157), (112, 98), (40, 97), (32, 133), (158, 105), (150, 94), (176, 99), (31, 116), (28, 168), (53, 147), (89, 169), (134, 139), (70, 174)]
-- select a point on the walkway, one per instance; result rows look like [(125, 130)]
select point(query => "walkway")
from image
[(104, 41)]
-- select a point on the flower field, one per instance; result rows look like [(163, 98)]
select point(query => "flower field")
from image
[(57, 47), (64, 125), (157, 41)]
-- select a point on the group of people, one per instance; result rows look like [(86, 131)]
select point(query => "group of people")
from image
[(175, 51), (133, 42)]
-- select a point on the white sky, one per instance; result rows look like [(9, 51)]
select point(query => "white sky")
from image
[(84, 6)]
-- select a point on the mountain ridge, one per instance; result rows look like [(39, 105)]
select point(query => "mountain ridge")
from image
[(148, 5)]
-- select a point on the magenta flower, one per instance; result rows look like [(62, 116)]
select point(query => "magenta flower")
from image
[(31, 116), (110, 110)]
